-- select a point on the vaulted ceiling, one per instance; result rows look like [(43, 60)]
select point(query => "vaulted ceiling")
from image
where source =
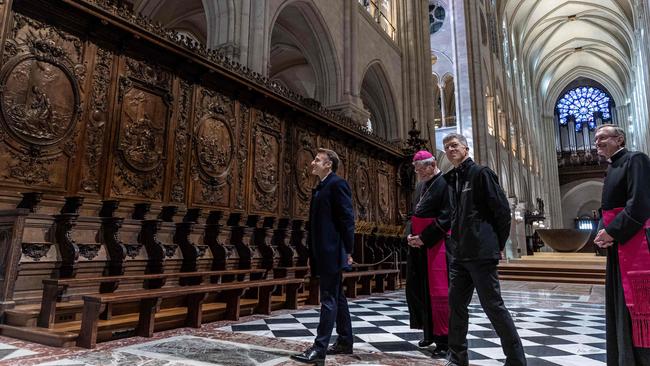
[(188, 16), (559, 41)]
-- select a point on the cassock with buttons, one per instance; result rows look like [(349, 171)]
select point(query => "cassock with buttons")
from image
[(626, 217)]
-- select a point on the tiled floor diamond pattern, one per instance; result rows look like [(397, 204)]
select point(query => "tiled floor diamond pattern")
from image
[(558, 336)]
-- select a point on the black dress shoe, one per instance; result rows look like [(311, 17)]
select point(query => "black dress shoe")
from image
[(425, 343), (440, 352), (339, 349), (312, 356)]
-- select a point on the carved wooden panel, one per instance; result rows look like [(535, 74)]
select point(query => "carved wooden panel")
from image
[(342, 151), (83, 116), (302, 152), (267, 147), (96, 122), (144, 109), (181, 142), (40, 101), (242, 155), (385, 187), (360, 183), (213, 149)]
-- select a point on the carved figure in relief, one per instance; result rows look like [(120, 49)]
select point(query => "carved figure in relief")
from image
[(142, 136), (362, 184), (214, 147), (383, 190), (38, 100), (267, 172), (140, 141), (303, 171)]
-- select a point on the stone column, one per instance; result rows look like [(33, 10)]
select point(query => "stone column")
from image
[(351, 104), (443, 107), (413, 39), (550, 175)]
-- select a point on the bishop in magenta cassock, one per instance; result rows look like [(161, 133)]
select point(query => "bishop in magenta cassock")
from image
[(427, 279)]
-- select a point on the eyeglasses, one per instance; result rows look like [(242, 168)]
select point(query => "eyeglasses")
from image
[(602, 138), (454, 146)]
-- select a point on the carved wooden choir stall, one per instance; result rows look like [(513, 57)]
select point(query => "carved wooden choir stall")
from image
[(147, 182)]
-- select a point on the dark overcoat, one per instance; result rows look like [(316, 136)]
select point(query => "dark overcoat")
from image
[(331, 226)]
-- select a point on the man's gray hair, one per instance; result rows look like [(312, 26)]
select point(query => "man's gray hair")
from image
[(616, 129), (332, 156), (454, 135)]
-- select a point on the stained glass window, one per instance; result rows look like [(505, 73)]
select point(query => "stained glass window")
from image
[(436, 17), (583, 103)]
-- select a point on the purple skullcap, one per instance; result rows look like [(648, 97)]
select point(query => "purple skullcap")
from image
[(422, 155)]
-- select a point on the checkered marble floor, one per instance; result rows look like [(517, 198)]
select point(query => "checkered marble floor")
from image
[(9, 352), (570, 333)]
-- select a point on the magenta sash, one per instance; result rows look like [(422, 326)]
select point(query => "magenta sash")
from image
[(634, 263), (438, 282)]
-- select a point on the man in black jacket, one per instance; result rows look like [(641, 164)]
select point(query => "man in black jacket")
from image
[(480, 225), (330, 241)]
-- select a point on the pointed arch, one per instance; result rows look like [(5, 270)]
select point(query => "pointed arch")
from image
[(188, 16), (379, 99), (302, 54)]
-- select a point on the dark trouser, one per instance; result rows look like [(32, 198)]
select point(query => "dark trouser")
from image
[(463, 278), (333, 309), (620, 347)]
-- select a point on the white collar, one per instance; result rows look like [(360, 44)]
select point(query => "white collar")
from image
[(614, 154)]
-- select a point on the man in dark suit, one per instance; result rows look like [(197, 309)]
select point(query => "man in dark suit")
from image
[(330, 240)]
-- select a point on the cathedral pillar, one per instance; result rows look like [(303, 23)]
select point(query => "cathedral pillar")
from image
[(240, 29), (413, 38), (550, 175), (443, 107), (351, 104)]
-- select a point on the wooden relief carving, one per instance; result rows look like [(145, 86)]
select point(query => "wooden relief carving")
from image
[(360, 182), (97, 119), (287, 170), (266, 163), (39, 103), (214, 149), (242, 153), (143, 123), (181, 143), (342, 151), (383, 196), (304, 180)]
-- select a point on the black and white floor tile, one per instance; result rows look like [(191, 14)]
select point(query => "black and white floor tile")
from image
[(9, 352), (568, 334)]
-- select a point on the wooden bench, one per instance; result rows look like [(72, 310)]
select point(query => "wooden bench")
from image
[(350, 279), (149, 300), (54, 289), (299, 271), (381, 276)]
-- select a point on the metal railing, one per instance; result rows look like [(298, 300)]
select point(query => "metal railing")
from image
[(447, 122), (378, 15)]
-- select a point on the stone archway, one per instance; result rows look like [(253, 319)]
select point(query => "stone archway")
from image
[(378, 98), (578, 197), (302, 54)]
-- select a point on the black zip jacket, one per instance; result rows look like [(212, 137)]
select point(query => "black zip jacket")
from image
[(480, 213)]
